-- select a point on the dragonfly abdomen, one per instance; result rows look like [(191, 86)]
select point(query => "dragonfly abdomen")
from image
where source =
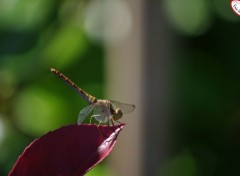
[(89, 98)]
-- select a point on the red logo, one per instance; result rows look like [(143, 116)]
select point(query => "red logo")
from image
[(235, 5)]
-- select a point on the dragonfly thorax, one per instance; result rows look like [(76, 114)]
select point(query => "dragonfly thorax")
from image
[(108, 110)]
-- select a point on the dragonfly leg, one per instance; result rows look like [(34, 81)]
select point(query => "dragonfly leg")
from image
[(112, 122), (100, 130), (90, 122), (118, 121), (109, 125), (95, 115)]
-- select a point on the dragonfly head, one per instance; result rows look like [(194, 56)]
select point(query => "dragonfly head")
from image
[(117, 114)]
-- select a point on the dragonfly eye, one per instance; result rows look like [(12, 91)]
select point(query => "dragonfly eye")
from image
[(118, 114)]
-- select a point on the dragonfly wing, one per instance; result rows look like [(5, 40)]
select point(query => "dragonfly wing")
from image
[(99, 115), (84, 113), (126, 108)]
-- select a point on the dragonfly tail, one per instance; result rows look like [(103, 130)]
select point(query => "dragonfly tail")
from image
[(87, 97)]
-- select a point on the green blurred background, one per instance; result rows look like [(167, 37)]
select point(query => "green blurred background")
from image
[(35, 36), (205, 77)]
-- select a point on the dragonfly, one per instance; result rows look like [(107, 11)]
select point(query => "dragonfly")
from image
[(104, 111)]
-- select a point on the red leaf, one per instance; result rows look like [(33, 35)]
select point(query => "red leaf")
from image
[(70, 150)]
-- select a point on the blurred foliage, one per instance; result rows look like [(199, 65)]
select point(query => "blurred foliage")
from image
[(196, 17), (181, 165), (99, 170), (179, 14), (35, 36), (206, 85)]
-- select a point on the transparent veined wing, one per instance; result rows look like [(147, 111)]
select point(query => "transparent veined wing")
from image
[(84, 113), (100, 115), (126, 108)]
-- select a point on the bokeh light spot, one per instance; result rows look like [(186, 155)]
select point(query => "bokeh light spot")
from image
[(191, 17), (107, 20), (65, 46), (38, 111), (24, 14)]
